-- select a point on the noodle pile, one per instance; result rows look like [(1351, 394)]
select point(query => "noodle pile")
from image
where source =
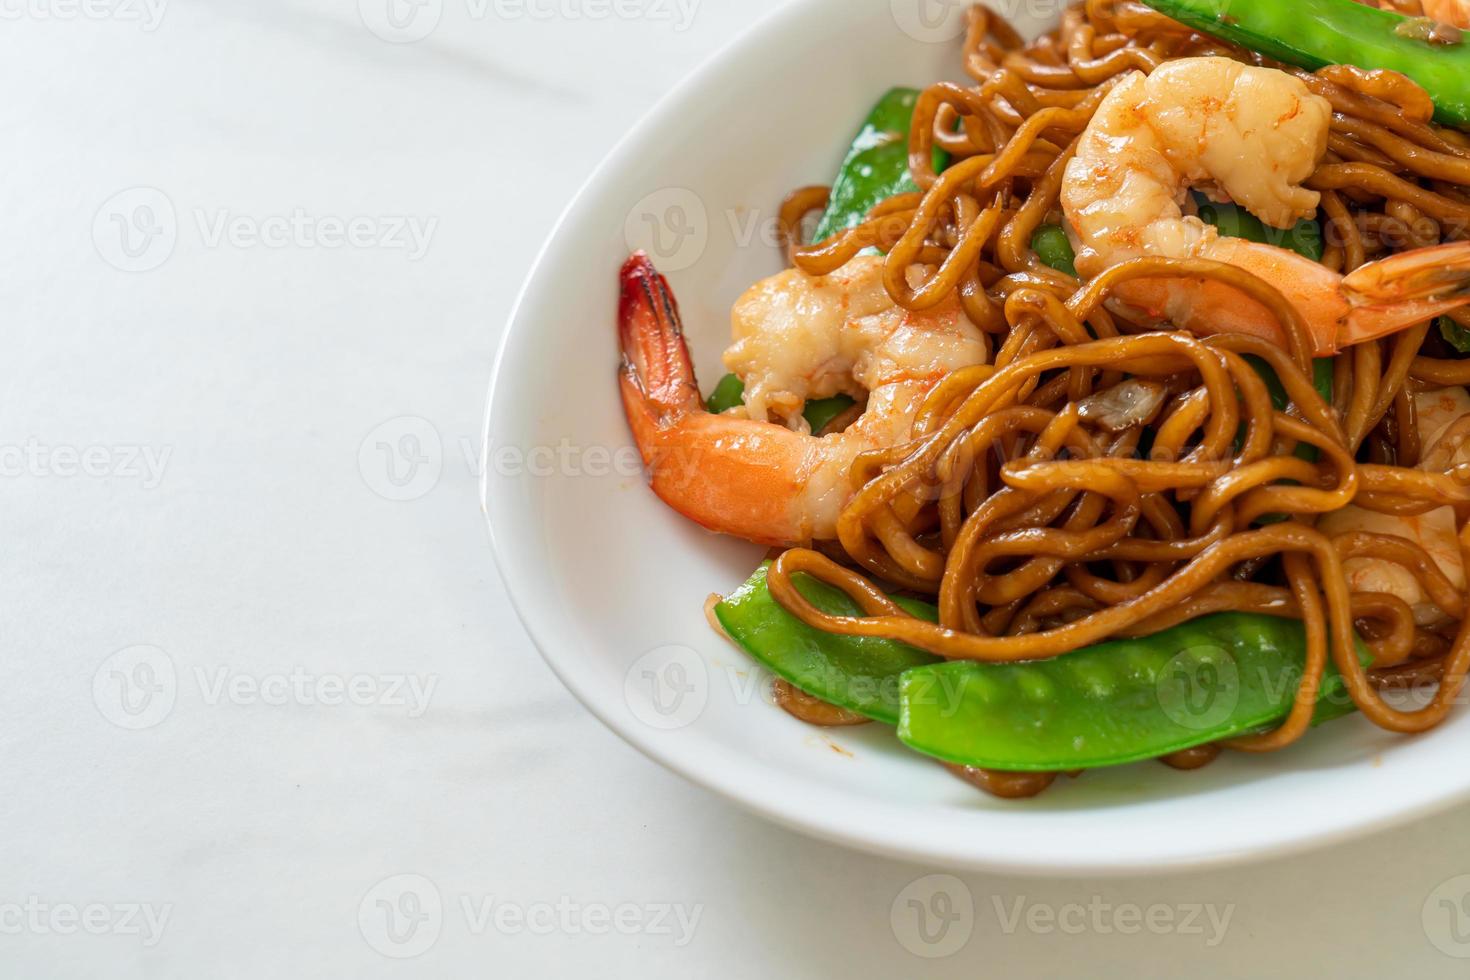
[(1098, 478)]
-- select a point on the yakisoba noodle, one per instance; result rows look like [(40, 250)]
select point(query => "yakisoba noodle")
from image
[(1038, 525)]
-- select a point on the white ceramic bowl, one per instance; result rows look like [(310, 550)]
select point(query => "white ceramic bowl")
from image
[(610, 582)]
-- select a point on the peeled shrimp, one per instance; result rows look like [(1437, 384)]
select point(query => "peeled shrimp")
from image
[(797, 337), (1453, 12), (1252, 136), (1435, 531)]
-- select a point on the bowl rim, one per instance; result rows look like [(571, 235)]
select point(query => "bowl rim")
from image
[(725, 779)]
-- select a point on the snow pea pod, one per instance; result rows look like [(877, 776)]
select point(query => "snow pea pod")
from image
[(1233, 221), (1211, 678), (1052, 246), (876, 166), (726, 395), (1321, 380), (1315, 33), (1454, 334), (853, 672), (817, 412)]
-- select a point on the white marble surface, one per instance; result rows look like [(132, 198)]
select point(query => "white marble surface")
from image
[(186, 492)]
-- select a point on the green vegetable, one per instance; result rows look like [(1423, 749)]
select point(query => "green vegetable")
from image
[(727, 394), (1454, 335), (823, 410), (818, 412), (1316, 33), (1305, 238), (1321, 380), (1217, 677), (855, 672), (876, 166), (1051, 245)]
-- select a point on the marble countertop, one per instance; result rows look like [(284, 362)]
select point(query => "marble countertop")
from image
[(267, 711)]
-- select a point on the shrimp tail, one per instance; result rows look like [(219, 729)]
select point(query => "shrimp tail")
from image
[(1440, 272), (733, 476), (657, 375), (1405, 289), (1373, 301)]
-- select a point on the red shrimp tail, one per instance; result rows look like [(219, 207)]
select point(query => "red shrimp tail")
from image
[(655, 358), (1405, 290)]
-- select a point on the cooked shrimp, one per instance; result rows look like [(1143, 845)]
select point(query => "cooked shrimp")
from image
[(1453, 12), (1251, 135), (799, 337), (1434, 531)]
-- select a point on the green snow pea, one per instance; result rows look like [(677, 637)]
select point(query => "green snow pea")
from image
[(1315, 33), (1234, 221), (1212, 678), (876, 168), (1454, 335), (854, 672), (823, 410), (1052, 246), (727, 394), (1321, 380), (877, 164), (1304, 239), (817, 412)]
